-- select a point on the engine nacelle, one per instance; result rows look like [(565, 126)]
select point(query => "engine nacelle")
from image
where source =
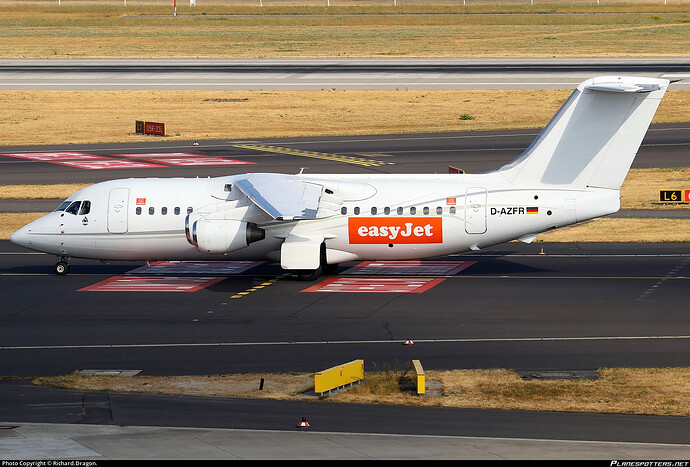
[(222, 236)]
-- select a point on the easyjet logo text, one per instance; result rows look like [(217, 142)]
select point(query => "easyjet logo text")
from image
[(395, 230)]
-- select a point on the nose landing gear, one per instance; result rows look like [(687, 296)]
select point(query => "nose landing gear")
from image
[(62, 266)]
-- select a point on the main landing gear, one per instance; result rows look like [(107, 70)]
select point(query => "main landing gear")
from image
[(62, 266), (324, 268)]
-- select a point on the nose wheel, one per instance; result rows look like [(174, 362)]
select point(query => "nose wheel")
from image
[(62, 267)]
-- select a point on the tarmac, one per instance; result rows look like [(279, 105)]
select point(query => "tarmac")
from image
[(32, 441)]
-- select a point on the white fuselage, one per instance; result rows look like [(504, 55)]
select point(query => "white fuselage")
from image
[(381, 217)]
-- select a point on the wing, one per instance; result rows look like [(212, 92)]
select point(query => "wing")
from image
[(283, 197)]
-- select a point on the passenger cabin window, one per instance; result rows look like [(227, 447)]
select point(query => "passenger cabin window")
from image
[(373, 211), (400, 211), (227, 187), (356, 210), (452, 209), (413, 210), (152, 210), (426, 210), (138, 210), (386, 210), (343, 210), (177, 211), (189, 210), (439, 210), (164, 211)]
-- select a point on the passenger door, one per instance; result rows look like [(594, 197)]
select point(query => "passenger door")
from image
[(475, 210), (117, 210)]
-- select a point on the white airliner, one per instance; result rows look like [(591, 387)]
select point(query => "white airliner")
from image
[(573, 171)]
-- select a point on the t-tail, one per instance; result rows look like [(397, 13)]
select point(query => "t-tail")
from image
[(591, 142)]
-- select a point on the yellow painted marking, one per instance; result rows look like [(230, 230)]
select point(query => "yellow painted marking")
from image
[(375, 154), (258, 287), (316, 155)]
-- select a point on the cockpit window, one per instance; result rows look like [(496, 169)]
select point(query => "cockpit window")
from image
[(85, 208), (63, 206), (73, 208)]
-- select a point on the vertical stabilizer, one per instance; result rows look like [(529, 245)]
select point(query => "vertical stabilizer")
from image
[(594, 137)]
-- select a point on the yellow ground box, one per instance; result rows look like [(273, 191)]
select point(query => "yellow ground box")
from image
[(421, 378), (338, 376)]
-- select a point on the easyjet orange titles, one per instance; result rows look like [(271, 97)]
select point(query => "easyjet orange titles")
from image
[(376, 230)]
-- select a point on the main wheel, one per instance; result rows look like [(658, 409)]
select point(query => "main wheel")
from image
[(61, 268), (309, 274), (313, 274)]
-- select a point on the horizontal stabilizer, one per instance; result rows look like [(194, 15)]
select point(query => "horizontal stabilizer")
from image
[(622, 87)]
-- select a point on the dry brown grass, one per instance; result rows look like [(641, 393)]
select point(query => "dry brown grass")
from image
[(58, 191), (641, 187), (276, 386), (346, 29), (622, 230), (652, 391), (63, 117), (659, 391), (11, 222)]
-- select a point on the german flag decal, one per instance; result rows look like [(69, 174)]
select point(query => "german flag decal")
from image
[(532, 210)]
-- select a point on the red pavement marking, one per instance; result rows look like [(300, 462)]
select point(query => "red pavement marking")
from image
[(210, 268), (410, 268), (184, 159), (374, 284), (105, 163), (159, 155), (152, 284), (55, 156), (190, 161)]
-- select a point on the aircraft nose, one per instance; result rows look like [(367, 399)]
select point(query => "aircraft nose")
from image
[(21, 236)]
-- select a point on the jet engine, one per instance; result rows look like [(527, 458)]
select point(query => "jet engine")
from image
[(222, 236)]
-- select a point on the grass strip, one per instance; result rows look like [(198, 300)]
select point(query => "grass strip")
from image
[(84, 117), (622, 230), (216, 29), (649, 391)]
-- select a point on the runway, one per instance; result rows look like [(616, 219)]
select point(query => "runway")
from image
[(531, 307), (315, 74)]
